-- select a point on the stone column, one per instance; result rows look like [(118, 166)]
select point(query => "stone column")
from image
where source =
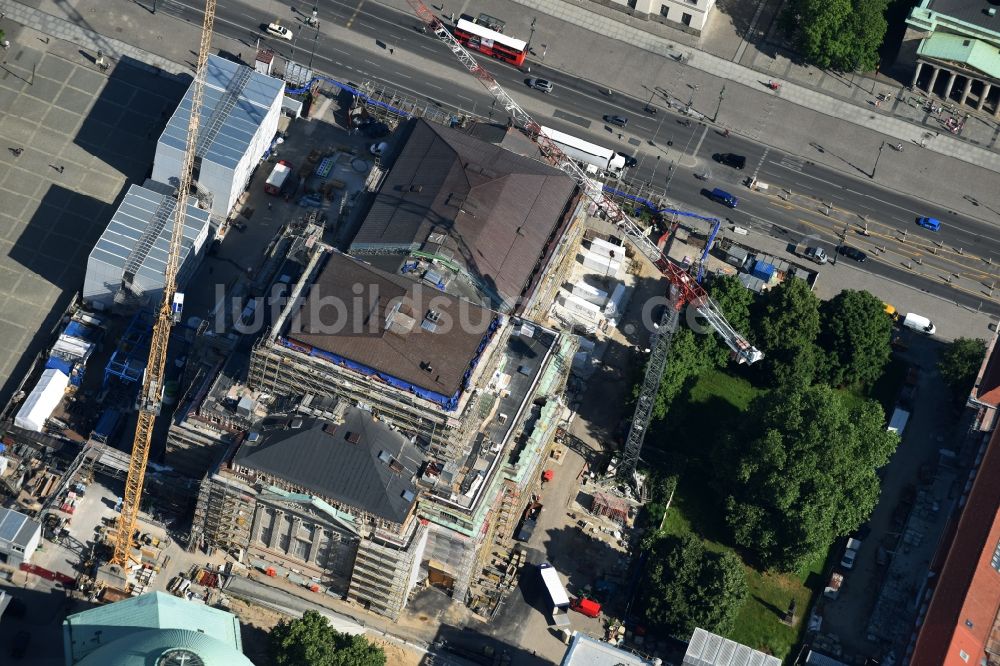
[(987, 86), (916, 74), (966, 90), (951, 84), (293, 536), (314, 549), (275, 526), (934, 75)]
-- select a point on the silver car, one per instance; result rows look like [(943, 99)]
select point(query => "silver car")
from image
[(540, 84)]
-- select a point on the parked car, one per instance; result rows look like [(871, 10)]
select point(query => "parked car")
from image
[(851, 553), (930, 223), (723, 197), (279, 30), (540, 84), (816, 254), (630, 161), (852, 253), (731, 159), (620, 121)]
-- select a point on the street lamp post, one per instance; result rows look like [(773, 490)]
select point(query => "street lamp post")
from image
[(718, 108), (532, 33), (880, 148)]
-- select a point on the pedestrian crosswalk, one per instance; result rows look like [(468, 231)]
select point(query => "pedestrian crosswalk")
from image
[(792, 163)]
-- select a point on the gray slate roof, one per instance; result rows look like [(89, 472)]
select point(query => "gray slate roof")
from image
[(352, 463), (496, 212), (445, 352), (238, 124)]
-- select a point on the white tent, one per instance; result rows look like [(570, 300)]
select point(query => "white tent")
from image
[(42, 401)]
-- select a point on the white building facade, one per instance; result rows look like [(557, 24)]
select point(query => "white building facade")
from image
[(239, 121), (687, 15)]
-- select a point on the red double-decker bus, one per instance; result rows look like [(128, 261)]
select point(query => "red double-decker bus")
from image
[(490, 42)]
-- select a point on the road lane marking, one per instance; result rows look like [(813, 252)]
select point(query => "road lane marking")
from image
[(357, 10)]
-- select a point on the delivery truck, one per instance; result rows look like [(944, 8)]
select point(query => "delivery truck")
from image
[(278, 179)]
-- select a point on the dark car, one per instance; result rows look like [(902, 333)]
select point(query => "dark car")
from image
[(629, 160), (19, 644), (852, 253), (723, 197), (730, 159), (621, 121)]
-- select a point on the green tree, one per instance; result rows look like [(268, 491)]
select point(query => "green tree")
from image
[(311, 640), (787, 324), (804, 473), (688, 586), (686, 360), (840, 34), (856, 337), (959, 364)]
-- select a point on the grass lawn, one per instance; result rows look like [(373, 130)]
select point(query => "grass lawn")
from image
[(715, 404)]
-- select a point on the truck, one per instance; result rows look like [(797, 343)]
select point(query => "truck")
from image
[(279, 177), (919, 323), (556, 591), (528, 522), (592, 157)]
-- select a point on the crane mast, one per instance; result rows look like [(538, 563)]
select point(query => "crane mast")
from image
[(684, 289), (151, 393)]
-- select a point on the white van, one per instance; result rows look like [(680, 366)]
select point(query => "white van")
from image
[(919, 323)]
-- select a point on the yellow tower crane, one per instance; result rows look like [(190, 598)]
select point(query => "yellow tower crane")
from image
[(152, 383)]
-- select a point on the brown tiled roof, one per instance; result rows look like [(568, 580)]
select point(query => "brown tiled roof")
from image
[(966, 596), (497, 213), (349, 311), (987, 388)]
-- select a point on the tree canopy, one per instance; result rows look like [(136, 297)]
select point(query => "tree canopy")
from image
[(856, 335), (840, 34), (688, 586), (787, 324), (311, 640), (804, 473), (959, 364)]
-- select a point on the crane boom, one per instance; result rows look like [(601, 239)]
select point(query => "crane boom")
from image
[(152, 383), (689, 290)]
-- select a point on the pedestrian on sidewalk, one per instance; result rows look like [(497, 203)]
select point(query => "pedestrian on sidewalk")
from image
[(17, 151), (60, 168), (270, 205)]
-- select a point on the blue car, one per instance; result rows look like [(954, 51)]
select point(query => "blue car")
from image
[(723, 197), (931, 223)]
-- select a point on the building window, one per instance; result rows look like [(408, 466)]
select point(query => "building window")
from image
[(996, 557), (692, 2), (664, 10), (963, 655), (686, 19)]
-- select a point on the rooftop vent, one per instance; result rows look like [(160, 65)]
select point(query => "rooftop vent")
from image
[(396, 466), (426, 367), (329, 428), (295, 423), (408, 495), (385, 456), (992, 11), (353, 437), (430, 322), (253, 438), (416, 188), (436, 237)]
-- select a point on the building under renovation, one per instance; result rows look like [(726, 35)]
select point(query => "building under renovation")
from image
[(330, 502), (477, 391), (239, 120), (466, 216)]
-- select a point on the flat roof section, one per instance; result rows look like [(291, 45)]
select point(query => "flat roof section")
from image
[(409, 333), (968, 11)]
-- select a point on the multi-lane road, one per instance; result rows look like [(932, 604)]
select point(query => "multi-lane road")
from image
[(803, 199)]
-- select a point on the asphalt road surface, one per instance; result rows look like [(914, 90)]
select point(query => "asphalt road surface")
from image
[(671, 147)]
